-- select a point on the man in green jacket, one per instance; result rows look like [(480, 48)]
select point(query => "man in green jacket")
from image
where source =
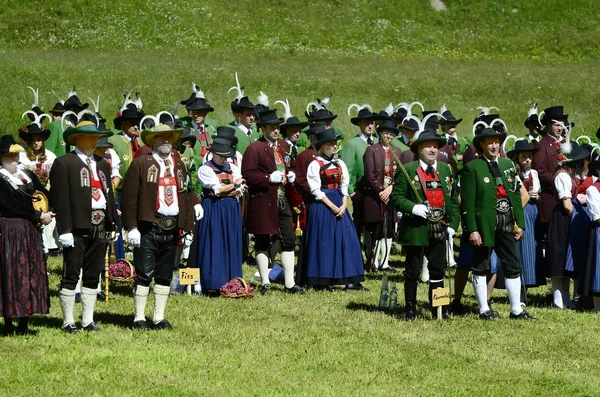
[(126, 139), (243, 113), (55, 143), (426, 197), (493, 215), (202, 127)]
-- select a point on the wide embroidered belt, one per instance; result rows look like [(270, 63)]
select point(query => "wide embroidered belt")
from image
[(502, 205), (166, 223), (98, 217), (437, 229)]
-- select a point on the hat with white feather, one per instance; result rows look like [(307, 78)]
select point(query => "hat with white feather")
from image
[(197, 101), (290, 121), (365, 112), (241, 101), (73, 103)]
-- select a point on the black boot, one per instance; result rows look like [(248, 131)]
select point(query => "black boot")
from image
[(410, 299), (434, 312), (23, 327), (9, 328)]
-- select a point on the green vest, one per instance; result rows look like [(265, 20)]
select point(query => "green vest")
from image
[(413, 230), (123, 148), (55, 142), (193, 163), (352, 155), (243, 139), (399, 143)]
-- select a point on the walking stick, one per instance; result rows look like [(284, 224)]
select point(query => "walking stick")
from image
[(106, 266)]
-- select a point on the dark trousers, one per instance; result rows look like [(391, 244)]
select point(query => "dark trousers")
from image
[(155, 257), (262, 242), (435, 253), (508, 254), (87, 254)]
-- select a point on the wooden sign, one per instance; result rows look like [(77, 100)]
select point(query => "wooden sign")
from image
[(188, 276), (441, 297)]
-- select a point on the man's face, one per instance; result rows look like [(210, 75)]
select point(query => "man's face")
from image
[(86, 143), (428, 151), (56, 116), (449, 128), (271, 132), (246, 117), (556, 129), (198, 116), (163, 143), (130, 128), (408, 132), (293, 134), (386, 136), (490, 146), (367, 126)]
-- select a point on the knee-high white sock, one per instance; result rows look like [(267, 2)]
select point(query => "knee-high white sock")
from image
[(262, 261), (287, 262), (450, 248), (513, 287), (140, 296), (376, 251), (566, 294), (186, 253), (67, 302), (480, 288), (386, 248), (597, 304), (425, 270), (88, 301), (99, 284), (78, 286), (161, 295), (557, 298)]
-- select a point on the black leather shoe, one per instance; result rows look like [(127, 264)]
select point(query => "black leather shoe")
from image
[(458, 308), (356, 287), (101, 296), (78, 297), (492, 310), (522, 316), (488, 315), (140, 325), (163, 324), (265, 289), (410, 316), (389, 269), (91, 327), (71, 329), (296, 289)]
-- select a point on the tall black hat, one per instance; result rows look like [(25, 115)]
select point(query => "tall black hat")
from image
[(269, 117), (228, 133), (554, 113), (388, 124)]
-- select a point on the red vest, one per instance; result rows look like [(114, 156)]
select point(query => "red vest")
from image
[(330, 177), (432, 187)]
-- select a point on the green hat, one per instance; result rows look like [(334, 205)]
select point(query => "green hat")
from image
[(83, 128), (148, 136)]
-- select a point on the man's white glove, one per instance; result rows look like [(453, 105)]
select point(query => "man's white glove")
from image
[(66, 240), (112, 236), (134, 238), (187, 239), (399, 215), (291, 176), (199, 211), (276, 177), (420, 210), (451, 233)]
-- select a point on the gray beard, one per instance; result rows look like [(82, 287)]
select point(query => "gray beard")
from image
[(164, 150)]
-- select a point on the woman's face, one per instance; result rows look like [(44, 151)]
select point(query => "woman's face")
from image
[(329, 148), (219, 160), (10, 162), (37, 142), (525, 160)]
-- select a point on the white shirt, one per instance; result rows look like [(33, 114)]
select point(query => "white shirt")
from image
[(563, 185), (163, 208), (593, 202), (115, 162), (24, 161), (536, 187), (366, 137), (101, 203), (242, 127), (15, 182), (209, 180), (238, 158), (313, 177), (424, 166)]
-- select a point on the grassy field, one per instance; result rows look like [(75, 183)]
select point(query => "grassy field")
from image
[(507, 54)]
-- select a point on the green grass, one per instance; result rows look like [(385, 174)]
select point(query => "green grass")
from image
[(316, 344)]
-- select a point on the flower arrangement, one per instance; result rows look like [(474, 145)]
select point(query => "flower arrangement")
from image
[(121, 270), (41, 173), (237, 288)]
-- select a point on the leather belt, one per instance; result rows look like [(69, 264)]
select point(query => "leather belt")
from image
[(164, 222), (502, 205), (98, 217), (436, 214)]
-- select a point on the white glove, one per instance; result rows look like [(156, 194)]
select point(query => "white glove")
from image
[(199, 211), (420, 210), (451, 233), (399, 215), (134, 238), (187, 239), (276, 177), (291, 177), (112, 236), (66, 240)]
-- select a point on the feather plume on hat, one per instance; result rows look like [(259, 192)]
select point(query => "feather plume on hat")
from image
[(36, 94), (263, 99), (197, 91), (359, 107), (237, 87), (286, 106), (486, 110), (60, 100)]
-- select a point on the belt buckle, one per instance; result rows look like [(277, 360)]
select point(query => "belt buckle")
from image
[(166, 223), (435, 215), (502, 205), (97, 217)]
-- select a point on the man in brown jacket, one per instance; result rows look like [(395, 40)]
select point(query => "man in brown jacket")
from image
[(158, 209)]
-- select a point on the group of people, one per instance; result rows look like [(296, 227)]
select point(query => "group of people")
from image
[(189, 189)]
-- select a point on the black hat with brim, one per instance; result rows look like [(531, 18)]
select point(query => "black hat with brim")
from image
[(238, 105), (103, 143), (522, 146), (315, 128), (388, 124), (187, 136), (427, 136), (485, 133), (58, 108), (269, 117), (195, 103), (292, 122), (449, 118), (73, 103), (9, 145), (533, 119), (410, 125), (400, 114), (554, 113), (131, 112), (577, 153), (222, 147), (363, 114), (321, 115), (327, 135), (34, 129), (225, 132)]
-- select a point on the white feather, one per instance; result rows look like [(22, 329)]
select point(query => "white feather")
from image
[(480, 122), (325, 101), (36, 94), (164, 112), (509, 137), (443, 108), (72, 93), (390, 109), (499, 120), (566, 147), (155, 119), (410, 106), (540, 118), (402, 105), (197, 91), (286, 106), (582, 137), (127, 101), (486, 110), (174, 110), (95, 104), (310, 104), (78, 117), (263, 99), (62, 102), (354, 105), (237, 88), (138, 101), (532, 110)]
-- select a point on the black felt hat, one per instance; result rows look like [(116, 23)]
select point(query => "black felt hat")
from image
[(269, 117), (488, 132), (449, 118), (238, 105), (554, 113), (58, 108), (388, 124), (321, 115), (9, 145), (131, 112), (363, 114), (187, 136), (411, 125), (327, 135), (103, 143), (292, 122), (74, 104), (196, 101), (522, 146), (400, 114), (577, 152), (315, 128), (34, 129), (222, 147), (228, 133), (427, 136), (533, 119)]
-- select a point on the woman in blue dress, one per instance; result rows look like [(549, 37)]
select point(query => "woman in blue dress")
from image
[(219, 233), (332, 254)]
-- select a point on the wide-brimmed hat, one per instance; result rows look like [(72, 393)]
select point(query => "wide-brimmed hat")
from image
[(327, 135), (533, 119), (269, 117), (553, 113), (522, 146), (321, 115), (388, 124), (226, 132), (148, 136), (222, 147), (131, 112), (292, 122), (400, 114), (238, 105), (577, 153), (103, 143), (58, 108), (74, 104), (34, 129), (411, 125), (427, 136), (363, 114), (197, 101), (485, 133), (9, 145), (449, 118), (84, 127)]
